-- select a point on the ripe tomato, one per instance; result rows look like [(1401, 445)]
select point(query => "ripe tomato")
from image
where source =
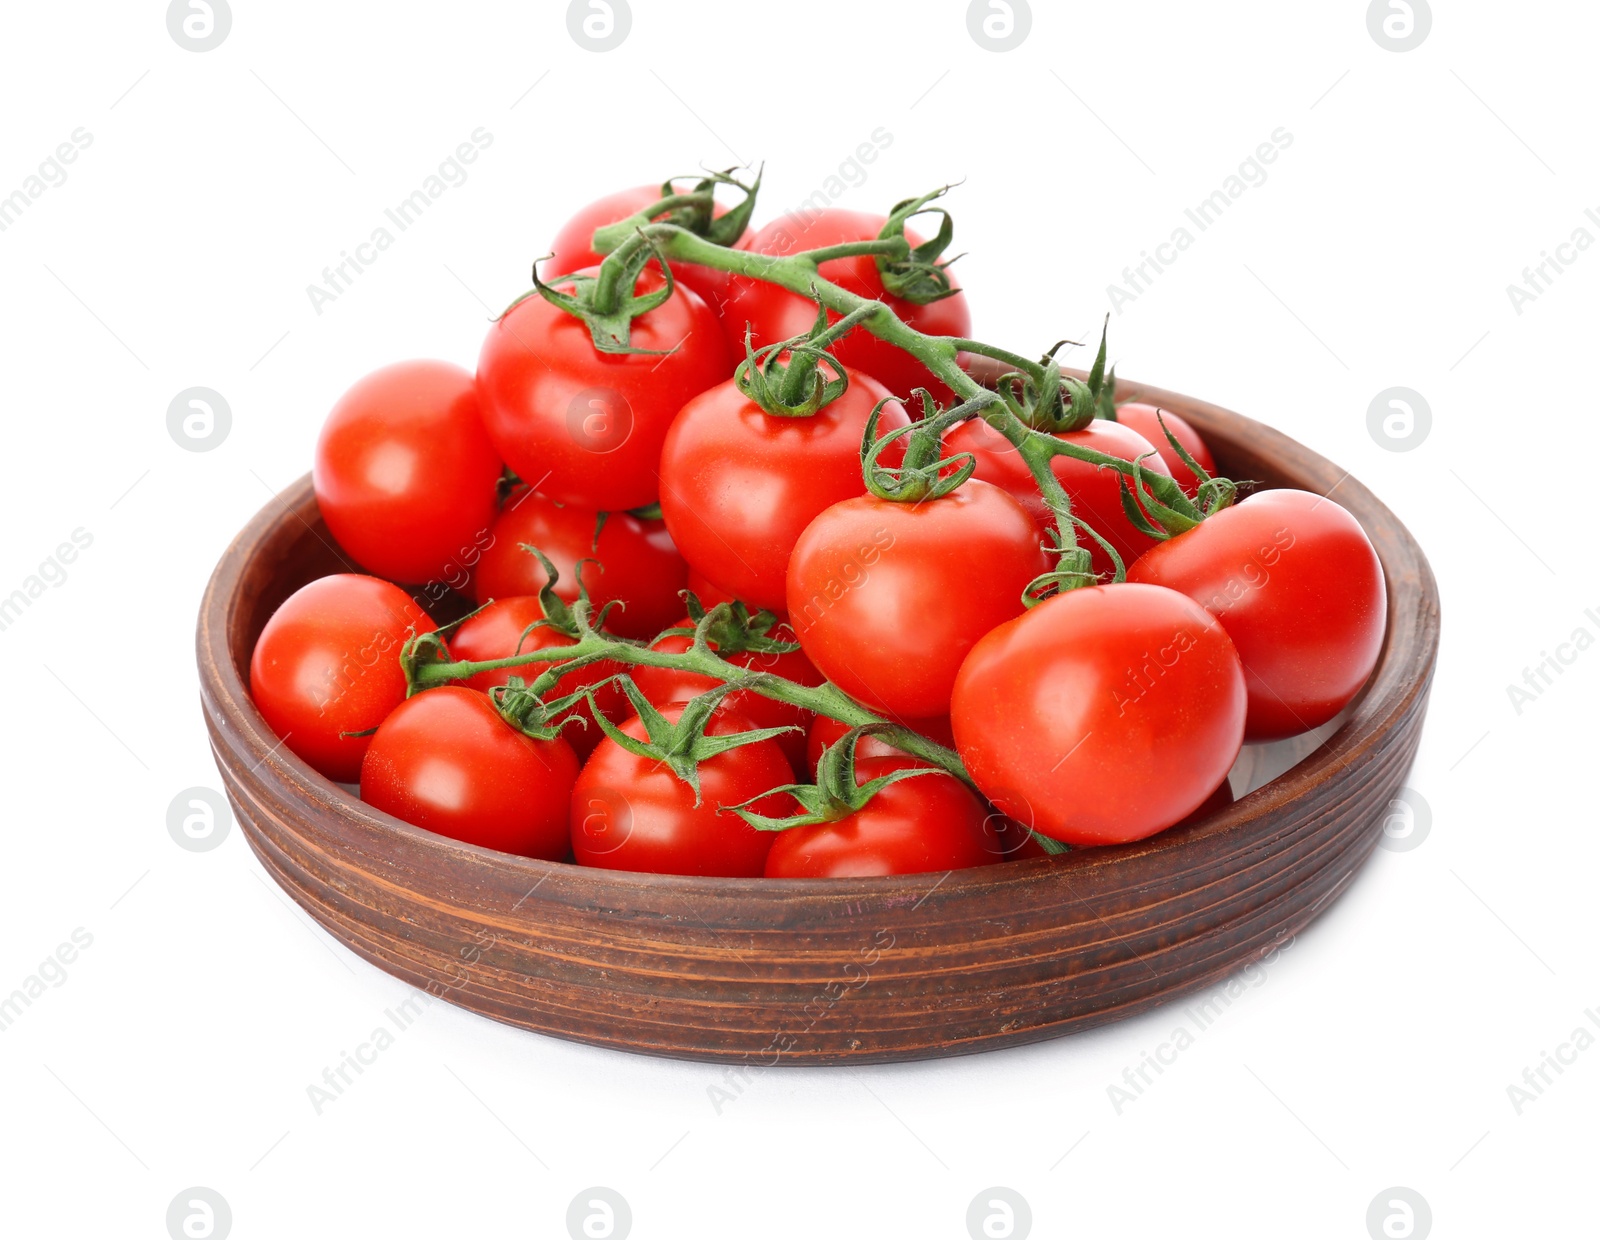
[(585, 427), (1095, 494), (739, 485), (1103, 715), (826, 731), (497, 631), (573, 249), (405, 474), (664, 686), (1296, 583), (775, 314), (913, 826), (888, 597), (328, 662), (633, 813), (1143, 420), (445, 761), (638, 565)]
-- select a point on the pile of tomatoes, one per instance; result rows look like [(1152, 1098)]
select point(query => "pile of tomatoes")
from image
[(563, 494)]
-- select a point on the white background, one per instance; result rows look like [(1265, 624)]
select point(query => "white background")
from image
[(1376, 1052)]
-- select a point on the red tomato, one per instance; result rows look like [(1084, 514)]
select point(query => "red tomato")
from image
[(585, 427), (633, 813), (1296, 583), (328, 662), (1094, 492), (827, 731), (925, 823), (445, 761), (497, 631), (775, 314), (1143, 419), (1103, 715), (573, 249), (664, 686), (641, 567), (888, 598), (739, 485), (405, 474)]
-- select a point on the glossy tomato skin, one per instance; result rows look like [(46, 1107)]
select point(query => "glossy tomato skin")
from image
[(633, 813), (1295, 581), (663, 686), (825, 731), (1103, 715), (586, 427), (1144, 420), (1094, 492), (405, 474), (775, 314), (497, 631), (573, 251), (638, 564), (328, 661), (917, 825), (739, 485), (888, 598), (445, 761)]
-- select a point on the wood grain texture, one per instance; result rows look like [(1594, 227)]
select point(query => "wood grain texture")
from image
[(837, 970)]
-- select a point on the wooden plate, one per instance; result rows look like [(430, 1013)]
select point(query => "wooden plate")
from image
[(837, 970)]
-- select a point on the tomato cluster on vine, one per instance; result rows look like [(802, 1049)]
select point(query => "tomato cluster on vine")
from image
[(721, 563)]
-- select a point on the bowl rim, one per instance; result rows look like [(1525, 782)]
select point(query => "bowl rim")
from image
[(1388, 695)]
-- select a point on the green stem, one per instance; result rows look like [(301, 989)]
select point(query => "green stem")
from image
[(595, 647)]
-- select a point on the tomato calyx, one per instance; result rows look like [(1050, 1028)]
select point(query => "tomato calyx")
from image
[(694, 211), (786, 379), (684, 745), (836, 794), (607, 302), (924, 473), (919, 277), (729, 628), (1174, 515)]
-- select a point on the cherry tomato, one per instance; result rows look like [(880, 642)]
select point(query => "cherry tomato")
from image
[(638, 565), (775, 314), (1103, 715), (664, 686), (328, 662), (633, 813), (405, 474), (739, 485), (1294, 580), (585, 427), (445, 761), (497, 632), (913, 826), (1095, 494), (888, 598), (1143, 419), (826, 731), (573, 249)]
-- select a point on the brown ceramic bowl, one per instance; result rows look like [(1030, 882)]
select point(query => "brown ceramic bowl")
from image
[(837, 970)]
